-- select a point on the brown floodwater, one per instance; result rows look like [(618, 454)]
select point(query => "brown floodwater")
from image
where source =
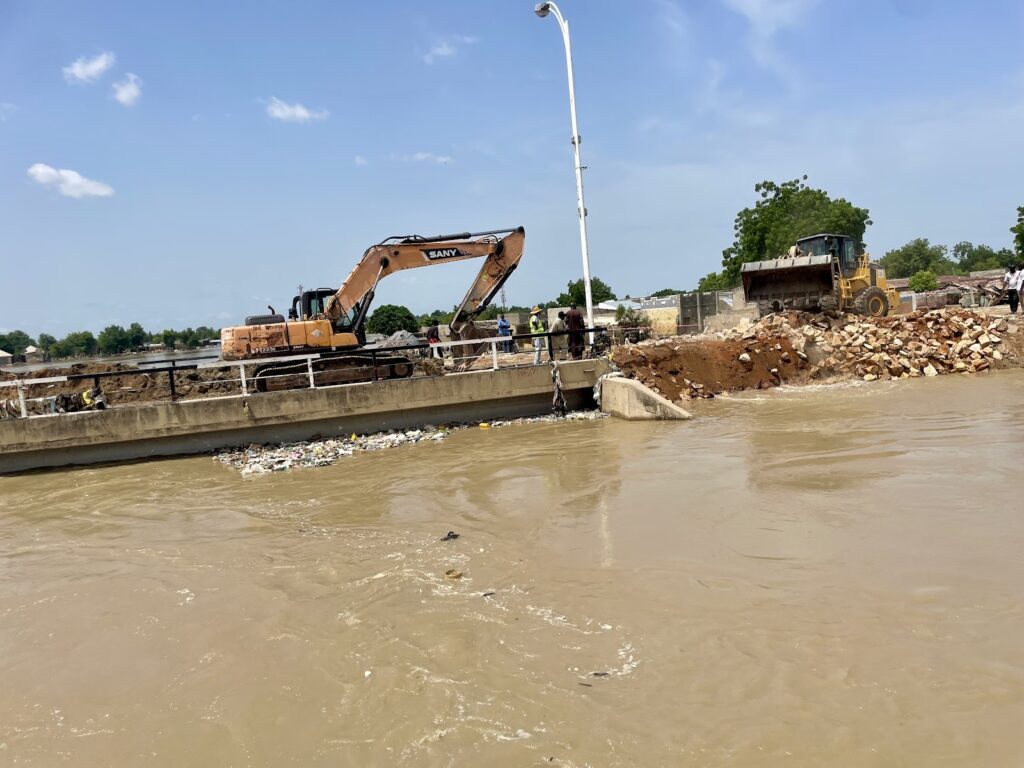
[(828, 576)]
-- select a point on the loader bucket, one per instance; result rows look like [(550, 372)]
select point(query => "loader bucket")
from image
[(803, 282)]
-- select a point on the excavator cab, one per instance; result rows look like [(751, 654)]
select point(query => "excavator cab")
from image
[(311, 304)]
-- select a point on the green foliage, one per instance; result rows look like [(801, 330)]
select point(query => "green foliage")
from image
[(785, 213), (918, 256), (15, 342), (112, 340), (388, 318), (1018, 234), (576, 293), (76, 344), (665, 292), (716, 281), (974, 258), (923, 281), (137, 336), (47, 343), (627, 317)]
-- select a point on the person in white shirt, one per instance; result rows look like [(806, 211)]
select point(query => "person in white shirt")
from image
[(1012, 282)]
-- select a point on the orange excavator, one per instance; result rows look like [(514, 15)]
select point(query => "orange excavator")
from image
[(330, 322)]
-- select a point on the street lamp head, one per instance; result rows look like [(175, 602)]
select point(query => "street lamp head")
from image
[(542, 9)]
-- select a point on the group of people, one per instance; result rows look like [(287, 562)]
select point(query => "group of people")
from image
[(1013, 283), (566, 341), (567, 334)]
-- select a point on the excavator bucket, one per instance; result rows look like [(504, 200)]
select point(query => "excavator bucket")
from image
[(800, 282)]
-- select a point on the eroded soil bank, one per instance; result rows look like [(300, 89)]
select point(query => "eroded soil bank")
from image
[(797, 348)]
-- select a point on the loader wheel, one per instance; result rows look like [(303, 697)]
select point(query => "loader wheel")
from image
[(871, 302)]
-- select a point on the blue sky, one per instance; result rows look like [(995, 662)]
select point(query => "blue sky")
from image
[(222, 154)]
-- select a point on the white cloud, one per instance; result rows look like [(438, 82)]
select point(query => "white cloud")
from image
[(427, 157), (69, 183), (359, 160), (293, 113), (129, 90), (439, 51), (447, 48), (766, 18), (84, 71)]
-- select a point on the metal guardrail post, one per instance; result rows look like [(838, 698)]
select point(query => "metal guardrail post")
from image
[(494, 355), (22, 403), (309, 367), (245, 387), (373, 362), (170, 377)]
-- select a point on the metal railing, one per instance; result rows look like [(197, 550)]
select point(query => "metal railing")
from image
[(493, 347)]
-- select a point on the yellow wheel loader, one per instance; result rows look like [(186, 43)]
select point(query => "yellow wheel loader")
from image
[(330, 322), (822, 272)]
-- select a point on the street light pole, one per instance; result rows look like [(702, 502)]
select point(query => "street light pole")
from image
[(542, 10)]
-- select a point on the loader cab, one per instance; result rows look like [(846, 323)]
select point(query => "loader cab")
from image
[(843, 248)]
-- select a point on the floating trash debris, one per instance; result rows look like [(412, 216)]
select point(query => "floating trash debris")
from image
[(450, 536), (453, 573), (261, 459)]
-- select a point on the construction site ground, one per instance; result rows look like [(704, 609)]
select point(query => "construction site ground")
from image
[(788, 348)]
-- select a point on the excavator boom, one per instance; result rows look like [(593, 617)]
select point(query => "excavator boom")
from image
[(503, 248)]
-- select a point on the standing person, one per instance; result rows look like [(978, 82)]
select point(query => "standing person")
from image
[(505, 329), (536, 329), (558, 343), (1011, 285), (574, 324), (434, 337)]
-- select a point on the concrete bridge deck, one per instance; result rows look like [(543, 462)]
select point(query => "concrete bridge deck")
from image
[(196, 426)]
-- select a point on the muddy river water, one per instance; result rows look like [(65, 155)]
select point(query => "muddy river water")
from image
[(812, 577)]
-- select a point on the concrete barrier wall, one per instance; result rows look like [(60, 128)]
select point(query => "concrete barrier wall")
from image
[(195, 426), (629, 399)]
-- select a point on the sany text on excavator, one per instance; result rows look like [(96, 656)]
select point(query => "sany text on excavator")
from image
[(330, 322)]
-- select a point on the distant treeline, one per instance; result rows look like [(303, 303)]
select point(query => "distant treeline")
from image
[(111, 340)]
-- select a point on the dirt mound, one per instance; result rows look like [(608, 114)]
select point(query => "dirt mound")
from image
[(796, 347), (681, 367)]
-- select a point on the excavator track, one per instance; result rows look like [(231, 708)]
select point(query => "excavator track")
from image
[(342, 369)]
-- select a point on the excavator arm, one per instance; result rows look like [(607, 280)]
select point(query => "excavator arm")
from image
[(502, 249)]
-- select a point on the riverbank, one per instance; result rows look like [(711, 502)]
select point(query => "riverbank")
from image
[(801, 348)]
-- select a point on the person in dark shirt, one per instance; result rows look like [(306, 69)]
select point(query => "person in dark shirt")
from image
[(574, 325)]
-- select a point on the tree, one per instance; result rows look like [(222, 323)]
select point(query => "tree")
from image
[(1018, 234), (47, 343), (77, 344), (169, 338), (923, 281), (15, 342), (785, 213), (716, 281), (665, 292), (112, 340), (627, 317), (136, 336), (974, 258), (576, 293), (388, 318), (918, 256)]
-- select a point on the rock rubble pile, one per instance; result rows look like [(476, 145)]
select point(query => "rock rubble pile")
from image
[(923, 343), (260, 459)]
